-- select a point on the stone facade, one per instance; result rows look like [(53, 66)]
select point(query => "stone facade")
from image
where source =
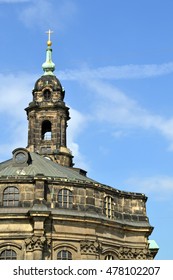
[(85, 218)]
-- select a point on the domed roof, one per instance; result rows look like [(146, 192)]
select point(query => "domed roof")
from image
[(48, 80), (30, 164)]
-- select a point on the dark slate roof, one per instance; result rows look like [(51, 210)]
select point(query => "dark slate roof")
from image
[(41, 166), (48, 80)]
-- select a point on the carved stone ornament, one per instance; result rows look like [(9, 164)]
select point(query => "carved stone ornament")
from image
[(125, 253), (35, 243), (90, 247)]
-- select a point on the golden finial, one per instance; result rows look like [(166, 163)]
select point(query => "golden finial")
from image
[(49, 32)]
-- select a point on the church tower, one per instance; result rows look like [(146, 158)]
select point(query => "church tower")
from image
[(48, 115)]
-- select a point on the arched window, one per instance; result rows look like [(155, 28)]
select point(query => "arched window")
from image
[(11, 197), (8, 254), (46, 131), (65, 198), (109, 207), (64, 255), (109, 257), (47, 94)]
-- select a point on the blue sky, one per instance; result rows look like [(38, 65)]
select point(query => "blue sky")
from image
[(115, 61)]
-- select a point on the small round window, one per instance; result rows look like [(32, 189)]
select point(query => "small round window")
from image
[(20, 157), (47, 94)]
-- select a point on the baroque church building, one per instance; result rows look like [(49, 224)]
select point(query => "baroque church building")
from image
[(50, 210)]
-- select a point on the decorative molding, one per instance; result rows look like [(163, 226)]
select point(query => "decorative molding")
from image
[(126, 253), (90, 247), (35, 243), (10, 244), (65, 246)]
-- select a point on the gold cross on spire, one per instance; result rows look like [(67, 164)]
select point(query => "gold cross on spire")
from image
[(49, 32)]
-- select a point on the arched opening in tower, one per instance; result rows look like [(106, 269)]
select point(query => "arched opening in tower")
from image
[(47, 94), (46, 131)]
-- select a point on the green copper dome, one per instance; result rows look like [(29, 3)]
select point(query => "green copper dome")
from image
[(48, 66)]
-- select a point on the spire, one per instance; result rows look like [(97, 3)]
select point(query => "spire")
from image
[(48, 66)]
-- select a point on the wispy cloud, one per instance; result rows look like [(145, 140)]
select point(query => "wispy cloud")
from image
[(161, 186), (118, 72), (15, 96), (15, 92), (115, 107), (77, 124), (47, 13)]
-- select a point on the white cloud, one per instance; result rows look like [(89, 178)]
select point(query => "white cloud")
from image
[(15, 92), (76, 126), (160, 186), (48, 14), (113, 106), (118, 72)]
